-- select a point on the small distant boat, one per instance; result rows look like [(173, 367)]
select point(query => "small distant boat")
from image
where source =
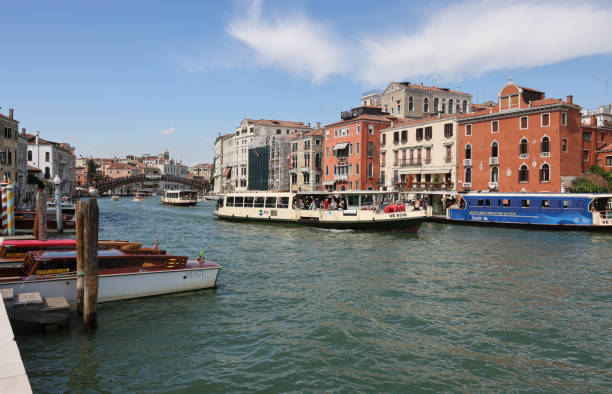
[(139, 197), (180, 197), (24, 221), (210, 197), (115, 197), (67, 207)]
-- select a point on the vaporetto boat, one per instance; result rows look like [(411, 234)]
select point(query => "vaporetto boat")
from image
[(358, 210), (554, 211)]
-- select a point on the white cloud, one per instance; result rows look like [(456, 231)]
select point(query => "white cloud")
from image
[(167, 131), (471, 38), (293, 43), (466, 39)]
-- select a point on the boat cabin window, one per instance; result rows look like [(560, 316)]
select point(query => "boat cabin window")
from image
[(259, 202), (525, 203), (506, 203), (248, 202), (545, 204), (270, 202), (367, 199), (487, 203), (480, 202), (283, 202), (238, 201), (229, 201), (353, 200), (565, 203)]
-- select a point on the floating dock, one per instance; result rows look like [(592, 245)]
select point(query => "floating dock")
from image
[(13, 377)]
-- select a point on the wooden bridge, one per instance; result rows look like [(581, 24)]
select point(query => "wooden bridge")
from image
[(111, 183)]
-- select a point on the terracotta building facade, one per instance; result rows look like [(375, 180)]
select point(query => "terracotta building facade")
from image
[(352, 148), (527, 143)]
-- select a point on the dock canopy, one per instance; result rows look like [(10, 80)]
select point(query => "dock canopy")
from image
[(342, 145), (227, 172)]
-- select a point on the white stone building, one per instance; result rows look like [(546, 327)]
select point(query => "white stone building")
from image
[(407, 100), (601, 115), (52, 158)]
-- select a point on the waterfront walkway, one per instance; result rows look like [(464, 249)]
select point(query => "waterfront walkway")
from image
[(13, 377)]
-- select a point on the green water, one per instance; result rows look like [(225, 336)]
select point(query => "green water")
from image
[(453, 308)]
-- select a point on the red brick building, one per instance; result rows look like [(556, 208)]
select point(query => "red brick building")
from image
[(351, 150), (596, 141), (527, 143)]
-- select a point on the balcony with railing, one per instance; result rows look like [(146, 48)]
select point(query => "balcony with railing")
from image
[(467, 185), (493, 185), (545, 154), (467, 162), (493, 160), (305, 169), (341, 177), (424, 186), (410, 163), (524, 156)]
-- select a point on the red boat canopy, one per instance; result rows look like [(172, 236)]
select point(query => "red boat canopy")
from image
[(34, 243)]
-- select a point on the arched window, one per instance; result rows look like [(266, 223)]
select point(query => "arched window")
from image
[(468, 151), (464, 106), (436, 102), (425, 105), (370, 188), (494, 149), (524, 147), (342, 188), (545, 146), (494, 174), (468, 175), (523, 174), (410, 104), (47, 172), (545, 173), (450, 106), (29, 155)]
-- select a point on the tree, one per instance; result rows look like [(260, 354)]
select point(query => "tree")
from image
[(92, 174), (590, 183), (595, 169)]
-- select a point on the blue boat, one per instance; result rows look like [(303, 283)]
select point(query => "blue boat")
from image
[(536, 210)]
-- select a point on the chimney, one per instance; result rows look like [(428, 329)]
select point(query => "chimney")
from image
[(11, 113), (23, 131), (570, 99), (308, 124), (318, 125), (529, 103), (593, 120)]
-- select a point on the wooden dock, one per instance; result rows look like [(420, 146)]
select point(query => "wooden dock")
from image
[(13, 377)]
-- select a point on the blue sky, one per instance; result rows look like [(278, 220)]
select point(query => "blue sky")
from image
[(118, 77)]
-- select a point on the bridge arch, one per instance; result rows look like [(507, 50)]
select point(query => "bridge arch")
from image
[(111, 183)]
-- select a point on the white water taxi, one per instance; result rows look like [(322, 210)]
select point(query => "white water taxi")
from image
[(360, 210), (180, 197)]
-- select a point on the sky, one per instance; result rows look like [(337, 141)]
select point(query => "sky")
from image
[(131, 77)]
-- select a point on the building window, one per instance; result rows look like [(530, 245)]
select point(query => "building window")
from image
[(427, 155), (358, 128), (563, 118), (524, 123), (564, 144), (585, 155), (436, 102), (46, 156), (468, 175), (371, 129), (608, 161), (383, 139), (494, 126), (47, 173), (545, 173), (450, 106), (370, 170), (443, 106), (395, 157), (523, 174), (468, 151), (357, 147), (524, 148), (494, 149), (545, 120), (586, 137), (326, 134), (370, 149), (396, 137), (428, 132), (545, 146), (468, 130), (410, 104), (29, 155), (448, 130), (326, 170), (449, 156), (419, 134), (425, 105), (464, 106), (383, 159), (494, 174), (357, 169), (404, 135)]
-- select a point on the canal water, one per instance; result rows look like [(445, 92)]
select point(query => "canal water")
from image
[(452, 308)]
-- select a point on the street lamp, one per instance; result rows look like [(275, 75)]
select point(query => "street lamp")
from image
[(58, 204)]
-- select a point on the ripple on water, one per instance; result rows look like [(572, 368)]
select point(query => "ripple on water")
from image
[(303, 309)]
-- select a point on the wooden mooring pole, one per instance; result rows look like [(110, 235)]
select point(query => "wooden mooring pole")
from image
[(80, 252), (90, 264), (41, 216)]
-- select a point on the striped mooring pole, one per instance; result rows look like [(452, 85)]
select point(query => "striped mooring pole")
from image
[(3, 186), (10, 209)]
